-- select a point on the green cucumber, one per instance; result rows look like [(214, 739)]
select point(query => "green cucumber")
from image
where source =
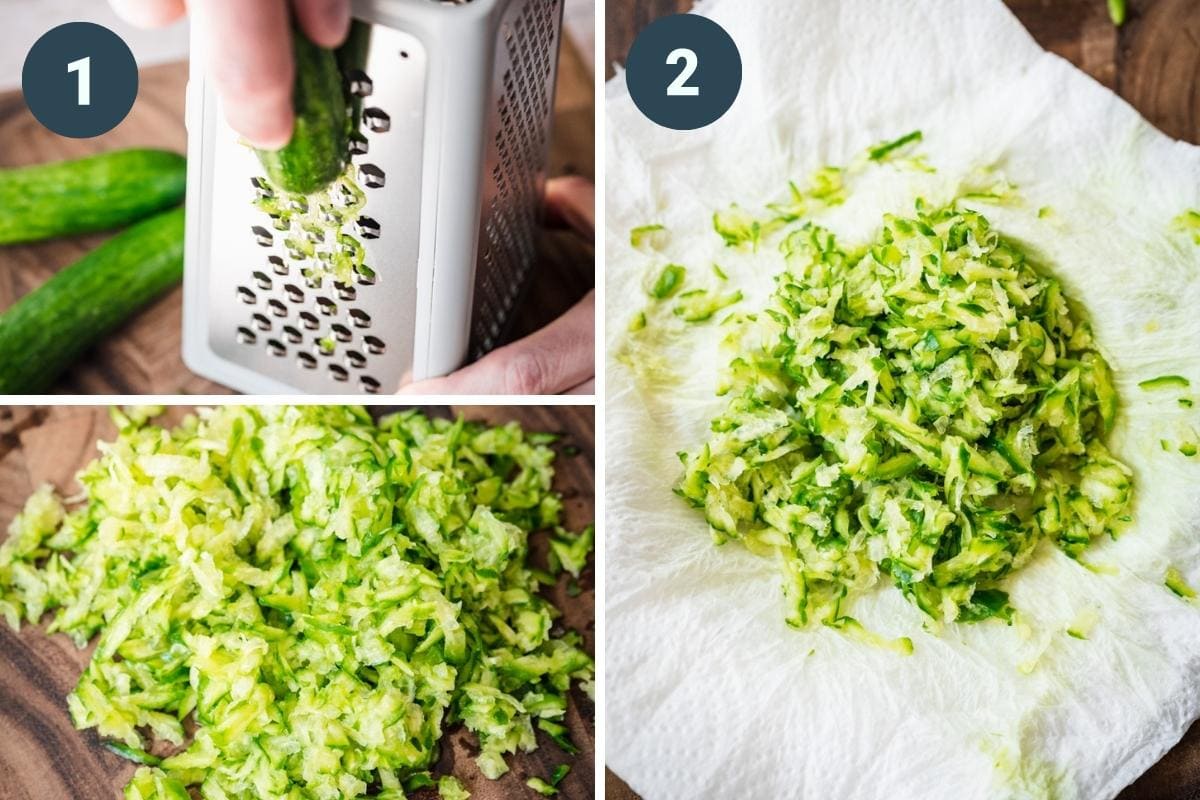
[(316, 154), (88, 194), (45, 331)]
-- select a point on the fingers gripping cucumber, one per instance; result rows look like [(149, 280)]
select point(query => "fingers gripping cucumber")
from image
[(316, 153), (52, 326), (88, 194)]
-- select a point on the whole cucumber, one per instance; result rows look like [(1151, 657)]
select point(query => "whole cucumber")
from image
[(317, 151), (48, 329), (88, 194)]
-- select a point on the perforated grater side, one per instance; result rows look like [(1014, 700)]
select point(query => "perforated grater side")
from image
[(455, 102)]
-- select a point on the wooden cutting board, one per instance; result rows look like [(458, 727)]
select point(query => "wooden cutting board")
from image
[(1153, 61), (42, 756), (144, 356)]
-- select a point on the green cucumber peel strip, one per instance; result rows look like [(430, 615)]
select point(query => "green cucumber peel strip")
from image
[(1165, 382), (882, 150)]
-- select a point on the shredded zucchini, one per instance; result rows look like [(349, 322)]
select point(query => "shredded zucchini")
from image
[(929, 408), (322, 594)]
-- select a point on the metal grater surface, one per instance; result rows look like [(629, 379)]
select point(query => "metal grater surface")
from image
[(515, 176), (313, 333)]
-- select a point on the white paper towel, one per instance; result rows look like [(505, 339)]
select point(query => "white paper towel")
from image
[(709, 693)]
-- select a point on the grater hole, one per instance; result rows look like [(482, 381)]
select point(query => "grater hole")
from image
[(341, 332), (298, 203), (339, 373), (342, 196), (358, 145), (277, 307), (246, 296), (263, 280), (292, 334), (313, 281), (366, 276), (356, 359), (306, 360), (277, 265), (374, 345), (371, 176), (368, 227), (360, 318), (359, 84), (279, 223), (276, 348), (369, 384), (325, 346), (309, 320), (246, 336), (262, 322), (377, 120), (345, 292), (263, 236), (326, 306), (262, 188), (294, 293)]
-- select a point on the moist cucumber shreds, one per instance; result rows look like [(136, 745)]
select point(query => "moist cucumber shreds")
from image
[(926, 408), (322, 594)]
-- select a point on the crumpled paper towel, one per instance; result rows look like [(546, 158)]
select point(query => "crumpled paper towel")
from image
[(708, 692)]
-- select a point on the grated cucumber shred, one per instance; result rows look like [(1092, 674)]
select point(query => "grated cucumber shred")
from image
[(322, 594), (541, 786), (927, 408), (449, 788), (1177, 583), (1189, 222)]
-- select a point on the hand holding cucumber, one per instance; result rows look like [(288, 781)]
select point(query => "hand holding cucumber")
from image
[(251, 53)]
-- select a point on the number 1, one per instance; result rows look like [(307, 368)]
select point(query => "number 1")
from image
[(84, 67), (679, 87)]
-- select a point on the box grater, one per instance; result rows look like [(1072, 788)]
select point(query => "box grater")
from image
[(454, 100)]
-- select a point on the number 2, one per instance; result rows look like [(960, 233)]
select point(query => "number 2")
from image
[(679, 87), (84, 67)]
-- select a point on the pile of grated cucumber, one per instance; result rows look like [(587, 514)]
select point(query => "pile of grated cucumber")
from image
[(926, 409), (322, 595)]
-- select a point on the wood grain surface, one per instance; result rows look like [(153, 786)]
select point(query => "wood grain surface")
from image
[(1153, 61), (42, 756), (144, 356)]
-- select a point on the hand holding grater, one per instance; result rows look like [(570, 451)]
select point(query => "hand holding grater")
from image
[(410, 263)]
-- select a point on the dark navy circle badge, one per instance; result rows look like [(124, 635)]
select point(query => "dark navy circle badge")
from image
[(80, 80), (684, 71)]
